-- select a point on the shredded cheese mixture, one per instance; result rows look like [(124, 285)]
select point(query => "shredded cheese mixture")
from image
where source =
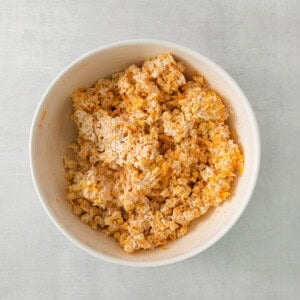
[(153, 153)]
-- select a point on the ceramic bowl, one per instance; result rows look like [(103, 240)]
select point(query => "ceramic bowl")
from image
[(52, 130)]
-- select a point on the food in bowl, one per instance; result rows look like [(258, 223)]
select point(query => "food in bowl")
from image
[(154, 152)]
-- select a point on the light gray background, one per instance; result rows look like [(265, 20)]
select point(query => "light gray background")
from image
[(257, 42)]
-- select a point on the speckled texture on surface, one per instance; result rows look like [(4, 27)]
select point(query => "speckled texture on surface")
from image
[(257, 42)]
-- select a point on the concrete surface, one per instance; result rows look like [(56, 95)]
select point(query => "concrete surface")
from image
[(257, 42)]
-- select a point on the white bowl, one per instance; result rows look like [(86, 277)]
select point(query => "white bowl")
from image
[(52, 130)]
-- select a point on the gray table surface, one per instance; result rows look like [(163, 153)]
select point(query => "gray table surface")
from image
[(257, 42)]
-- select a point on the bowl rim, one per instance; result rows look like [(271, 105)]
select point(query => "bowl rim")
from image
[(224, 230)]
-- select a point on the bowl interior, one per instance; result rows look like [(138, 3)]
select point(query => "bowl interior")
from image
[(53, 131)]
